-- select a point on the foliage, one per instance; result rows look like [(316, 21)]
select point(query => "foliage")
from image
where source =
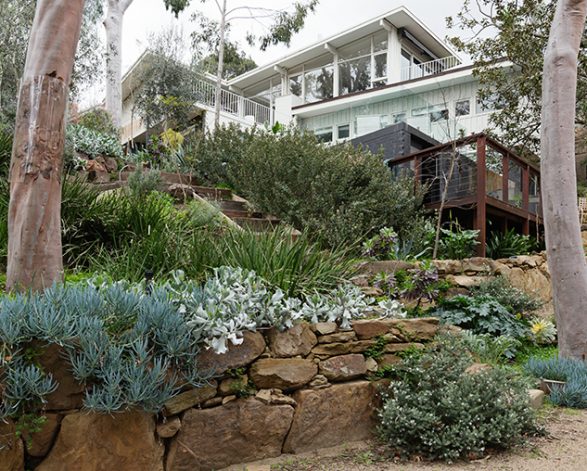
[(98, 120), (482, 315), (542, 331), (508, 245), (489, 349), (457, 243), (93, 143), (518, 33), (515, 300), (436, 410), (141, 183), (339, 194), (387, 246)]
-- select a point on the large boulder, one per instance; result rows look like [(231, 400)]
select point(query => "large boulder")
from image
[(101, 442), (332, 416), (237, 355), (11, 448), (344, 367), (416, 330), (298, 340), (282, 373), (237, 432)]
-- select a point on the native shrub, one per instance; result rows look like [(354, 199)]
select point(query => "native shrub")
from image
[(433, 409), (515, 300)]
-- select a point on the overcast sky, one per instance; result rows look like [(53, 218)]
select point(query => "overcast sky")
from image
[(332, 16)]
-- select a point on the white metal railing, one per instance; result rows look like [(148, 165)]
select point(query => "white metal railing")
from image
[(231, 102), (429, 68)]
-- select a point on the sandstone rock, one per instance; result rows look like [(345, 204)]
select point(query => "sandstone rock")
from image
[(11, 448), (319, 382), (333, 416), (282, 373), (464, 281), (227, 399), (536, 398), (371, 328), (344, 367), (237, 355), (298, 340), (274, 397), (371, 365), (387, 266), (324, 328), (215, 401), (325, 350), (189, 399), (241, 431), (169, 428), (477, 368), (402, 347), (70, 393), (97, 172), (181, 192), (101, 442), (478, 265), (419, 329), (39, 443), (448, 267), (372, 291), (264, 395), (338, 337), (388, 359), (232, 385)]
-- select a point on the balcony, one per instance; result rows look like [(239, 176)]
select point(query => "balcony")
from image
[(426, 69)]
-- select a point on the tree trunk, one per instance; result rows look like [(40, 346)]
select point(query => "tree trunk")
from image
[(218, 92), (566, 258), (34, 213), (113, 27)]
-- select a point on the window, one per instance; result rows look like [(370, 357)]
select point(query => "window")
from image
[(367, 124), (319, 84), (490, 103), (438, 113), (463, 107), (344, 131), (324, 134), (295, 85), (399, 118), (381, 66)]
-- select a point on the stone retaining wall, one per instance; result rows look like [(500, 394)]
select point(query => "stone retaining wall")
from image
[(307, 388)]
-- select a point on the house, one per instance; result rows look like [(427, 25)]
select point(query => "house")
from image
[(387, 70)]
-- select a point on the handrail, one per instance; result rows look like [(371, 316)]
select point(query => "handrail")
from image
[(230, 102), (426, 69)]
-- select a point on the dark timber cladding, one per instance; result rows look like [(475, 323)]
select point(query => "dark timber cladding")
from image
[(490, 189), (398, 140)]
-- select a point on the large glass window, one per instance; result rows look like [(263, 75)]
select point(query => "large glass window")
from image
[(324, 134), (295, 85), (463, 107), (381, 66), (534, 194), (515, 184), (355, 75), (490, 103), (319, 84), (344, 131)]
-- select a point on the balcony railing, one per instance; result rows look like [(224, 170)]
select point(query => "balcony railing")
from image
[(231, 103), (429, 68)]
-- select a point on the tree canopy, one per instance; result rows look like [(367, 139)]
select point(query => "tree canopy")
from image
[(514, 31)]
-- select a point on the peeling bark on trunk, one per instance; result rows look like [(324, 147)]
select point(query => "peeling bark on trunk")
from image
[(34, 214), (113, 27), (566, 258), (220, 71)]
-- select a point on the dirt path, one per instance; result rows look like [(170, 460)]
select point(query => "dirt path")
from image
[(564, 448)]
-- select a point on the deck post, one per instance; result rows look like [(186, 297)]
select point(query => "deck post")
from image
[(418, 172), (480, 212)]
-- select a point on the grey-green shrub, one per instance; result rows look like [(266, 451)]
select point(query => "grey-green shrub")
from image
[(515, 300), (433, 409)]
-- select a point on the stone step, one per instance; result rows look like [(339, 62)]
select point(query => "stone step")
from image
[(256, 224), (243, 214), (234, 205), (217, 194)]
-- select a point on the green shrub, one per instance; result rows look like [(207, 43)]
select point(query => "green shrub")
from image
[(515, 300), (435, 410), (482, 315), (100, 121), (457, 243), (508, 244), (93, 143)]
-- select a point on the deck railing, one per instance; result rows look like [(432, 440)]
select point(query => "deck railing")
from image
[(429, 68), (232, 103)]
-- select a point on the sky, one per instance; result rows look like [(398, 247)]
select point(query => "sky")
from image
[(145, 17)]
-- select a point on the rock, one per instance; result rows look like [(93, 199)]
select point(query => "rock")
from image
[(69, 393), (344, 367), (274, 397), (97, 172), (362, 281), (189, 399), (448, 267), (371, 365), (180, 192), (477, 368), (319, 382), (101, 442), (227, 399), (386, 266), (324, 328), (388, 359), (230, 386), (215, 401), (478, 265), (536, 398), (325, 350), (402, 347), (264, 395), (282, 373), (237, 355), (371, 328), (372, 291), (464, 281), (39, 443), (297, 340), (111, 164), (328, 417), (11, 447), (241, 431), (419, 329), (169, 428), (338, 337)]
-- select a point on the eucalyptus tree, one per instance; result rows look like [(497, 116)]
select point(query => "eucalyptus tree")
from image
[(282, 25), (113, 25), (566, 257)]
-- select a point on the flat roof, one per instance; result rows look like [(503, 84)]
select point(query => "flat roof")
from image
[(400, 17)]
